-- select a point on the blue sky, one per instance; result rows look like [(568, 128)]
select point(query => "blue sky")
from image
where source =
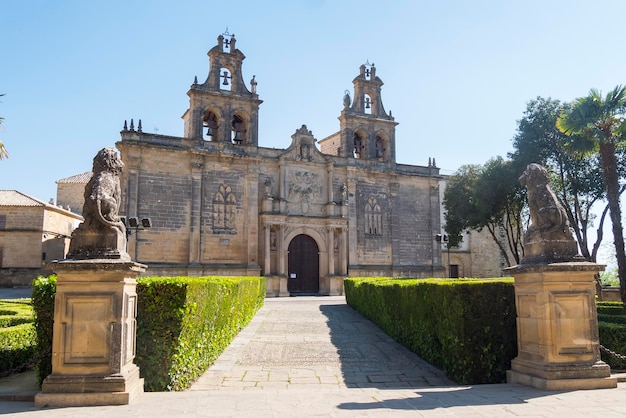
[(457, 74)]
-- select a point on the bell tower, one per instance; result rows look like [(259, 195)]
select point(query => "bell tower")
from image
[(367, 131), (222, 108)]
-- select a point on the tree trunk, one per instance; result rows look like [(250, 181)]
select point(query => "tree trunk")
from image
[(611, 184)]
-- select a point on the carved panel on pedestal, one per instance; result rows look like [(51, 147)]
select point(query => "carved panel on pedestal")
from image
[(87, 329), (571, 325)]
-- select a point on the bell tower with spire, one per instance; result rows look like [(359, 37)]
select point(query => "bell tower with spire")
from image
[(367, 131), (222, 108)]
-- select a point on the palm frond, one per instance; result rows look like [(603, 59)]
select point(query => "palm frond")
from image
[(3, 151), (615, 99)]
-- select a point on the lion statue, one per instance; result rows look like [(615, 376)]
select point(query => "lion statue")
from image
[(548, 237), (102, 234)]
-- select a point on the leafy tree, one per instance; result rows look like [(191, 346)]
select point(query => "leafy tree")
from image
[(598, 123), (3, 150), (491, 197), (577, 177)]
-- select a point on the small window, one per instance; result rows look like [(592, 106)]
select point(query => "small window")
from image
[(3, 222), (358, 146), (209, 123), (380, 147), (238, 130), (226, 79), (367, 104)]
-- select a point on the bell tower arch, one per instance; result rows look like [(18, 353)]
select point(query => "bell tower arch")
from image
[(367, 131), (223, 108)]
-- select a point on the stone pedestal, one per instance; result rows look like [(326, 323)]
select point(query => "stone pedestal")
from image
[(557, 328), (336, 285), (94, 336), (282, 287)]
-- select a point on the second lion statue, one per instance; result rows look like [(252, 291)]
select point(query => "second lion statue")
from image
[(549, 237)]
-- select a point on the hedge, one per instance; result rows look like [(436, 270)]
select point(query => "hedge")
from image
[(466, 327), (183, 324), (612, 332), (17, 336), (44, 290)]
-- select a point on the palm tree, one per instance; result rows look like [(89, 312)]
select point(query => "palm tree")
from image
[(600, 123)]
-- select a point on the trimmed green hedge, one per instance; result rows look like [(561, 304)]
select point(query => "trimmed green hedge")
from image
[(44, 290), (466, 327), (613, 337), (183, 324), (17, 336), (610, 308), (612, 332)]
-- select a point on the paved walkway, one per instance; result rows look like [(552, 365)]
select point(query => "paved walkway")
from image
[(315, 356)]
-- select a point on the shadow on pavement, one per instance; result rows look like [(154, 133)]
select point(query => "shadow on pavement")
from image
[(371, 359)]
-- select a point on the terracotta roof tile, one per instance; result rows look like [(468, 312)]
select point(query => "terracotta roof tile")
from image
[(78, 178), (15, 198)]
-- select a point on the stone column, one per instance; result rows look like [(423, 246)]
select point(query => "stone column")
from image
[(557, 328), (281, 253), (93, 345), (267, 250), (195, 237), (343, 251), (331, 251)]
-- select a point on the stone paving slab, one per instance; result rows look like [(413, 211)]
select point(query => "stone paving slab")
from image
[(333, 363), (316, 340)]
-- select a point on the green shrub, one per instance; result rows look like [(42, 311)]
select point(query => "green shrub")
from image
[(466, 327), (183, 324), (17, 336), (610, 308), (44, 291), (17, 348), (613, 337)]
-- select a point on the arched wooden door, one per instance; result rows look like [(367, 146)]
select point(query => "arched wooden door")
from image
[(304, 265)]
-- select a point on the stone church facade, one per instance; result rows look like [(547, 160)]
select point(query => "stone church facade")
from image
[(305, 217)]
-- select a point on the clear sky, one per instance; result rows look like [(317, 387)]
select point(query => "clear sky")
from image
[(457, 74)]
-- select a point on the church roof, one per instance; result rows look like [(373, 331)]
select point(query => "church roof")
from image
[(77, 178), (15, 198)]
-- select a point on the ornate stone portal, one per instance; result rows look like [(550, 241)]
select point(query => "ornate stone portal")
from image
[(557, 325), (95, 310)]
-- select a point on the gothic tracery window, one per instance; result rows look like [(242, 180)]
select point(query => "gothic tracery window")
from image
[(373, 217), (224, 210)]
